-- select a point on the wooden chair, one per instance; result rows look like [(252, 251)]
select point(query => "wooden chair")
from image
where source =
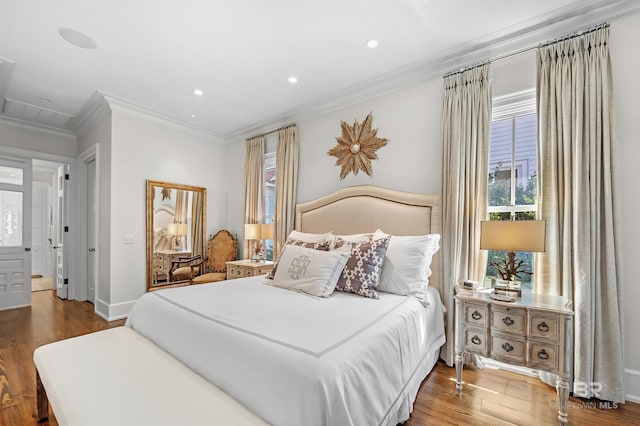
[(221, 248), (184, 268)]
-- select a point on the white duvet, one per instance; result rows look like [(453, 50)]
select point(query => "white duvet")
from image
[(297, 360)]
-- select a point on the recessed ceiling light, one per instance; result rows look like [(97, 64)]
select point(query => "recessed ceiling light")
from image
[(193, 116), (372, 43), (293, 79), (77, 38), (198, 92)]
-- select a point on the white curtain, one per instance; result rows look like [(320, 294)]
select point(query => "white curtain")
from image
[(253, 183), (466, 117), (197, 223), (577, 198), (286, 184)]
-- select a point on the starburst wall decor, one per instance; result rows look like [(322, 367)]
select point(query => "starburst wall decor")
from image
[(356, 147)]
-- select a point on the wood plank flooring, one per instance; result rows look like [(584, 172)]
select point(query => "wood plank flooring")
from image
[(490, 397)]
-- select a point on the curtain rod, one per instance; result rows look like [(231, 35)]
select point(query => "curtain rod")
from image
[(272, 131), (536, 46)]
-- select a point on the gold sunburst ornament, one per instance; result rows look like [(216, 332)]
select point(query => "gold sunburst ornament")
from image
[(357, 146)]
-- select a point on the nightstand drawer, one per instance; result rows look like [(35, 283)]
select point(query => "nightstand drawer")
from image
[(512, 320), (476, 315), (543, 356), (233, 272), (508, 349), (475, 341), (262, 270), (545, 326)]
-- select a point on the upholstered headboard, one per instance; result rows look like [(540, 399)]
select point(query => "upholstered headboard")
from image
[(359, 209)]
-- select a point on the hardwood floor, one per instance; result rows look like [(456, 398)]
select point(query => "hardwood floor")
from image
[(21, 331), (490, 397)]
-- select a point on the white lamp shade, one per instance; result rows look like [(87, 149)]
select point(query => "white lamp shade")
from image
[(266, 231), (513, 235), (172, 229), (252, 231), (182, 229)]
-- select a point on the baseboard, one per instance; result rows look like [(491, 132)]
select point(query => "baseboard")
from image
[(632, 385), (113, 312)]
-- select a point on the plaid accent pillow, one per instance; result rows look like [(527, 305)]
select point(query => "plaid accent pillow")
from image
[(318, 245), (362, 273)]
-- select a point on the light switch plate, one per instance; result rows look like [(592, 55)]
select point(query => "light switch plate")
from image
[(127, 239)]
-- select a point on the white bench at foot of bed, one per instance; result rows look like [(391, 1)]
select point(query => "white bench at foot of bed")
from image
[(118, 377)]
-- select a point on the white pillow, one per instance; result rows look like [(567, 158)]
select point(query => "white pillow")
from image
[(311, 238), (407, 263), (314, 272)]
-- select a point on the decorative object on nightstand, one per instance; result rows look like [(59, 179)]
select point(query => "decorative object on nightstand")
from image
[(177, 231), (534, 331), (258, 232), (512, 236), (247, 268)]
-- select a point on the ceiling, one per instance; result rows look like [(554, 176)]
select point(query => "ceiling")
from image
[(152, 54)]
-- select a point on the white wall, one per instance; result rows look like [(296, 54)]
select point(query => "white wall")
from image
[(144, 147), (411, 161)]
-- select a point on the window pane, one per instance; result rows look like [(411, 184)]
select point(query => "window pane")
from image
[(11, 210), (526, 159), (11, 175), (499, 185)]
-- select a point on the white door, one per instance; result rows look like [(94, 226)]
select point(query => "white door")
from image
[(91, 231), (40, 238), (15, 232), (62, 231)]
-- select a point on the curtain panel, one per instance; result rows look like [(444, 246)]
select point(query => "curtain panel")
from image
[(577, 198), (286, 186), (253, 183), (466, 117)]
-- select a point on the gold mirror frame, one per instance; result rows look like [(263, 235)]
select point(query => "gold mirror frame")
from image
[(165, 189)]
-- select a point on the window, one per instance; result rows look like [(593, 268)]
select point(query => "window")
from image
[(269, 196), (513, 162)]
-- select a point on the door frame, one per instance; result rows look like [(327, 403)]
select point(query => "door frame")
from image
[(74, 231), (90, 154)]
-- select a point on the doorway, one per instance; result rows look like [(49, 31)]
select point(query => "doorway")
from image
[(48, 219)]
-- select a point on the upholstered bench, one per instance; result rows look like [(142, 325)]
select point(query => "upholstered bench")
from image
[(118, 377)]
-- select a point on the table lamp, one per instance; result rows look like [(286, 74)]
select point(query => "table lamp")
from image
[(178, 230), (258, 232), (512, 236)]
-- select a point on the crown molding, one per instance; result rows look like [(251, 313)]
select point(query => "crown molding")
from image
[(130, 107), (94, 110), (499, 45), (31, 125)]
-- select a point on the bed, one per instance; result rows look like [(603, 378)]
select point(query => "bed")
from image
[(294, 359)]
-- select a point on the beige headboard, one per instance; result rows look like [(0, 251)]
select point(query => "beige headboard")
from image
[(359, 209)]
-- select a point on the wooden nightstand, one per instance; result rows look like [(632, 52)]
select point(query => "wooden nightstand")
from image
[(534, 331), (247, 268)]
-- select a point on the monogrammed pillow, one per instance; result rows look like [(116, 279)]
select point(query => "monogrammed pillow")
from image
[(319, 244), (310, 271), (364, 267)]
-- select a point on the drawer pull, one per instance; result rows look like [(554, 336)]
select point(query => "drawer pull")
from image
[(543, 327), (543, 354), (507, 346), (476, 340), (476, 315), (508, 321)]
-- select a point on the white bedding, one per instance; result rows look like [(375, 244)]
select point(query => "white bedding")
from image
[(293, 359)]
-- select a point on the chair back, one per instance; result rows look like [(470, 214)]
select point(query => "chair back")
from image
[(222, 248)]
